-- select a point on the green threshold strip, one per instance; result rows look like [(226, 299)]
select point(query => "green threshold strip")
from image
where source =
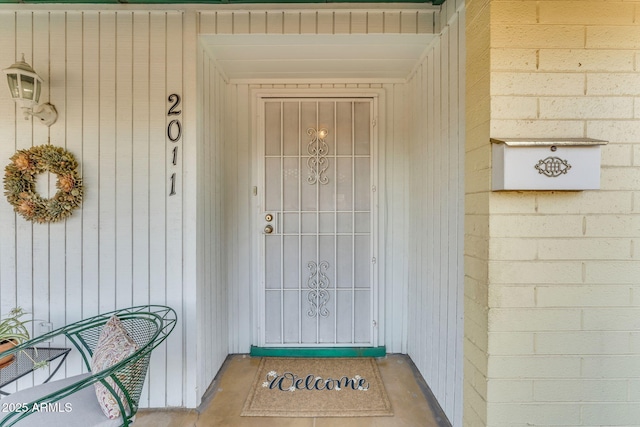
[(318, 352)]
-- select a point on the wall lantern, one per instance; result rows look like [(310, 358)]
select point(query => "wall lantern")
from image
[(25, 86)]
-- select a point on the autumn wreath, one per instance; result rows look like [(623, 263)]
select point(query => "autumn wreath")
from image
[(20, 183)]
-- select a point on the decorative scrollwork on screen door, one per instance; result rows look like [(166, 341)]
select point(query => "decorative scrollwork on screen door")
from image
[(317, 161), (318, 283)]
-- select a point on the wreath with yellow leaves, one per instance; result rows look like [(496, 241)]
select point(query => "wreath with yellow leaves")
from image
[(20, 183)]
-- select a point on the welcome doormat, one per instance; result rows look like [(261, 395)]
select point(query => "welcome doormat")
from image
[(309, 387)]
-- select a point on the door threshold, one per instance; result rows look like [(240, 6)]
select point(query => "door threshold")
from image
[(318, 351)]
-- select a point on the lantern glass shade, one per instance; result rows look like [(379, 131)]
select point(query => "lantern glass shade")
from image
[(13, 85), (24, 84), (25, 87)]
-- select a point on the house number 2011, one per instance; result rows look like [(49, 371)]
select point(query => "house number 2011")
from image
[(174, 133)]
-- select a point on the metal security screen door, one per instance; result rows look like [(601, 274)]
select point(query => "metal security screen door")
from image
[(316, 222)]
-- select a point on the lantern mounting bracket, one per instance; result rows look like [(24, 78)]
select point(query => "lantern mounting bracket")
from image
[(46, 112)]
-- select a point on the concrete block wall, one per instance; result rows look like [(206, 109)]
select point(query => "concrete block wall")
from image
[(476, 240), (563, 270)]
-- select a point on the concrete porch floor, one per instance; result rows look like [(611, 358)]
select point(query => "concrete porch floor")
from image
[(411, 401)]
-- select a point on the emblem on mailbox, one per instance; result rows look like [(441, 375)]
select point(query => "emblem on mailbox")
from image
[(553, 167)]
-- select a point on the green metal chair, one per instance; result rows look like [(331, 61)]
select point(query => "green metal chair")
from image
[(72, 401)]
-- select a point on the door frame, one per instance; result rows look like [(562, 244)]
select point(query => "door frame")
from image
[(377, 212)]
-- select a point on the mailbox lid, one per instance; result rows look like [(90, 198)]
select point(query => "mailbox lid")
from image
[(547, 142)]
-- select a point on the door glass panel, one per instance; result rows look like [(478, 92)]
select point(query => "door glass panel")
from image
[(326, 120), (272, 136), (345, 222), (344, 196), (291, 261), (344, 128), (363, 222), (309, 323), (362, 317), (344, 263), (273, 312), (291, 137), (362, 257), (308, 119), (291, 178), (273, 190), (362, 134), (362, 183), (291, 316), (291, 223), (327, 223), (328, 256), (326, 327), (309, 222), (327, 193), (273, 268), (344, 313), (308, 252), (309, 192)]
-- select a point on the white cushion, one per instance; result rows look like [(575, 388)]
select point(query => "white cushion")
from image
[(80, 409), (114, 345)]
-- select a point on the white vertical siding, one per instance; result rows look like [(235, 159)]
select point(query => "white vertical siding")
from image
[(395, 228), (175, 288), (71, 114), (109, 75), (435, 218), (239, 149), (213, 252), (311, 21)]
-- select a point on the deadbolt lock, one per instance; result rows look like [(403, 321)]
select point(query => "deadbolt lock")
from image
[(268, 217)]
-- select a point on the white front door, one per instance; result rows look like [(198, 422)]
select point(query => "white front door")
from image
[(316, 222)]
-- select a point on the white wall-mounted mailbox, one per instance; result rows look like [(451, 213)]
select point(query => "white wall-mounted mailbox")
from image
[(545, 164)]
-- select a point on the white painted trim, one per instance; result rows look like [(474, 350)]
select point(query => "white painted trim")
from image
[(191, 394), (253, 7), (258, 285), (213, 58), (343, 7), (428, 48), (375, 229), (318, 81), (256, 93)]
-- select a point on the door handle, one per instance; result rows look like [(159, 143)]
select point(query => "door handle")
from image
[(268, 229)]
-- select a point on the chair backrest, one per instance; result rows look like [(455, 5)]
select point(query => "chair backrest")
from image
[(148, 325)]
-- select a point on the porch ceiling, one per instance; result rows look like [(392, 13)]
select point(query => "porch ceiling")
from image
[(314, 56)]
